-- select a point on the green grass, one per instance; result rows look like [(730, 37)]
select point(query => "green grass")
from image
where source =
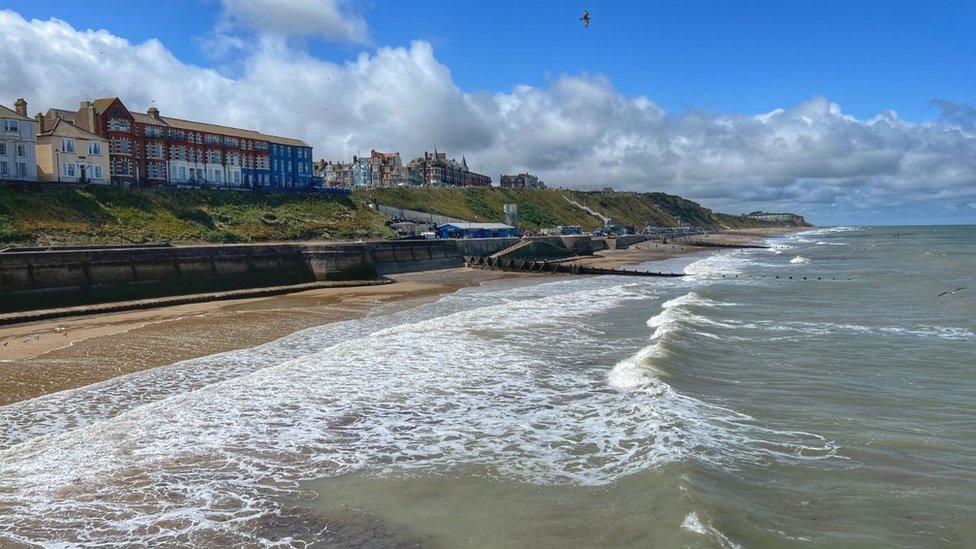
[(97, 215), (540, 208), (94, 215)]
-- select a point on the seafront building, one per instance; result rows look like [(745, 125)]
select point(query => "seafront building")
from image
[(385, 170), (69, 154), (436, 170), (18, 134), (521, 181), (149, 149)]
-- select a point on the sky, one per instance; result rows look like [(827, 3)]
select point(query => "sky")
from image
[(846, 112)]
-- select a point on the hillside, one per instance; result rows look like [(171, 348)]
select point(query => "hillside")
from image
[(539, 208), (95, 215)]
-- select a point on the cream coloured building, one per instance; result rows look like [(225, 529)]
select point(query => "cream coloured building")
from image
[(69, 154), (17, 144)]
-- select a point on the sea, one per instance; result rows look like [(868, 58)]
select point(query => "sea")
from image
[(816, 393)]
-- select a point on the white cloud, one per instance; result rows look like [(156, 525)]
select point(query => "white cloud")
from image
[(578, 130), (330, 19)]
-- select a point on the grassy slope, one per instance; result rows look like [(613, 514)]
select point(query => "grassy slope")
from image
[(92, 215), (548, 208), (537, 208)]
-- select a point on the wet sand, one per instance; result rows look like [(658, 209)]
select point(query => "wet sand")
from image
[(45, 357)]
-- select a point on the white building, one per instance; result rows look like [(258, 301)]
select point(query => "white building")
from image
[(18, 136)]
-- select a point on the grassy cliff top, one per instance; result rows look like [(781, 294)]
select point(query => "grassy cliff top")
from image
[(540, 208), (97, 215)]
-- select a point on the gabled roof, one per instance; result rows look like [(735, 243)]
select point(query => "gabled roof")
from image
[(64, 128), (102, 104), (10, 113)]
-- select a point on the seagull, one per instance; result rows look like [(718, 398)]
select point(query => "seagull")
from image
[(586, 18), (953, 292)]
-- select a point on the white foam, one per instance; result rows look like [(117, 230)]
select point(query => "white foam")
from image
[(692, 523), (799, 259), (478, 378)]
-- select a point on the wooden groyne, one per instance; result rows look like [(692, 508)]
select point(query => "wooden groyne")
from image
[(555, 267)]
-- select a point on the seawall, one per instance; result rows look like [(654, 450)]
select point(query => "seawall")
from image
[(60, 278)]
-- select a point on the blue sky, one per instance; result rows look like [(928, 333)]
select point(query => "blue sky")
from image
[(725, 56), (681, 87)]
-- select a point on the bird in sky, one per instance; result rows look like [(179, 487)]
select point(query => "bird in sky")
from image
[(953, 292), (586, 18)]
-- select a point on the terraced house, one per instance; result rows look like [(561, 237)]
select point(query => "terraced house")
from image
[(17, 137), (69, 154), (148, 149)]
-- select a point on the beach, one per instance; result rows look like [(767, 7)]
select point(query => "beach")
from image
[(39, 358)]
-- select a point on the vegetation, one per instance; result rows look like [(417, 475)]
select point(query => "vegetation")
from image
[(101, 215), (98, 215), (540, 208)]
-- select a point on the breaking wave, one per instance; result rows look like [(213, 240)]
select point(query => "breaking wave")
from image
[(194, 453)]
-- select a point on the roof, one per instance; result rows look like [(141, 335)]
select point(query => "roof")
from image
[(62, 113), (102, 104), (64, 128), (181, 124), (10, 113), (475, 226)]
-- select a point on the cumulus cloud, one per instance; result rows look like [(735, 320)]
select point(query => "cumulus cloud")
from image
[(577, 130), (330, 19)]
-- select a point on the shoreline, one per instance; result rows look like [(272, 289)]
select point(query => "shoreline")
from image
[(47, 356)]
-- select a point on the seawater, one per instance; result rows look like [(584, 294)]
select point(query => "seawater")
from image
[(743, 405)]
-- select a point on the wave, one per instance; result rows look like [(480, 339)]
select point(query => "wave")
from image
[(727, 263), (692, 523), (464, 384), (714, 434), (799, 259), (949, 333)]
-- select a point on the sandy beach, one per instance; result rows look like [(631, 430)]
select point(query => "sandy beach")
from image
[(44, 357), (49, 356)]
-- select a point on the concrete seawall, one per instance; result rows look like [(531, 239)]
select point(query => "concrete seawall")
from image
[(59, 278)]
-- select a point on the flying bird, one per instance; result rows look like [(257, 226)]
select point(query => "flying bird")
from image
[(953, 292), (586, 18)]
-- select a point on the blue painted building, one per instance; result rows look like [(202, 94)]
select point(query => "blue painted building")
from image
[(476, 230), (291, 164), (257, 172)]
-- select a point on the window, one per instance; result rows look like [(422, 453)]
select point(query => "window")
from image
[(94, 148), (237, 178), (118, 125), (67, 145), (10, 125), (21, 149), (119, 146), (68, 169), (96, 172), (21, 169), (182, 173), (3, 148), (4, 170)]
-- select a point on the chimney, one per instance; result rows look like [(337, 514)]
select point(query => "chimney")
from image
[(85, 119), (40, 122), (21, 107), (153, 112)]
